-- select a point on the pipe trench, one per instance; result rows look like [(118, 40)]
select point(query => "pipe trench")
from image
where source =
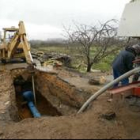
[(54, 96)]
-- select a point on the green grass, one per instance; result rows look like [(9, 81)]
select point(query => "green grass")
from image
[(105, 64), (102, 66)]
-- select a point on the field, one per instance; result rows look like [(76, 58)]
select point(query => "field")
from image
[(78, 59)]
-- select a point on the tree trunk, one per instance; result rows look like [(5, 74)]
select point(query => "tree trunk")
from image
[(89, 67)]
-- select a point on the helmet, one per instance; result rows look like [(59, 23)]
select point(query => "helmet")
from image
[(136, 48)]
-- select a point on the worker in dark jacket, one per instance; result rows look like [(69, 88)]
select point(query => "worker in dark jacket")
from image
[(124, 62)]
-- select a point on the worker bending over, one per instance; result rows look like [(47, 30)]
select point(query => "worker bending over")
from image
[(124, 62)]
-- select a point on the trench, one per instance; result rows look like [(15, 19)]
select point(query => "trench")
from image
[(54, 96), (42, 105)]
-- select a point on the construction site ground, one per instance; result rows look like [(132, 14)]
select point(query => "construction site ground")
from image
[(89, 125)]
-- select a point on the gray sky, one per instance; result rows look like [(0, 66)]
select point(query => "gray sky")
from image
[(44, 19)]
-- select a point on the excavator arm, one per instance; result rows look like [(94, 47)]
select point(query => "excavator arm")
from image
[(20, 40)]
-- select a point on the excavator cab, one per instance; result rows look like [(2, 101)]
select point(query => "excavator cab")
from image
[(9, 35)]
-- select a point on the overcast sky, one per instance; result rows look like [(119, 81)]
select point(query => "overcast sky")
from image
[(44, 19)]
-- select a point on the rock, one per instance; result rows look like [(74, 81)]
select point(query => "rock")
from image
[(102, 80), (109, 115), (94, 82), (7, 102), (110, 100), (97, 80)]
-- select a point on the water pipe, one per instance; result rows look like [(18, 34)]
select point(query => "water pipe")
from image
[(29, 97), (34, 110), (102, 90)]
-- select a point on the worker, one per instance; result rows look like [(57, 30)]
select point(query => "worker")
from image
[(22, 86), (24, 89), (124, 62)]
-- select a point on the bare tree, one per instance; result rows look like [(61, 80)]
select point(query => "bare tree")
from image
[(96, 42)]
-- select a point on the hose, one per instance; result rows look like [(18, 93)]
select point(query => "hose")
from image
[(98, 93)]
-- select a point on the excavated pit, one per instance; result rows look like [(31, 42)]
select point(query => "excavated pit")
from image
[(54, 95), (42, 105)]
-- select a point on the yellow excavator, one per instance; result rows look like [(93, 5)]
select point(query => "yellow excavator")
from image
[(14, 45)]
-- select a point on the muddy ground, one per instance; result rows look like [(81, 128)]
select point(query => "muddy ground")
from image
[(89, 125)]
